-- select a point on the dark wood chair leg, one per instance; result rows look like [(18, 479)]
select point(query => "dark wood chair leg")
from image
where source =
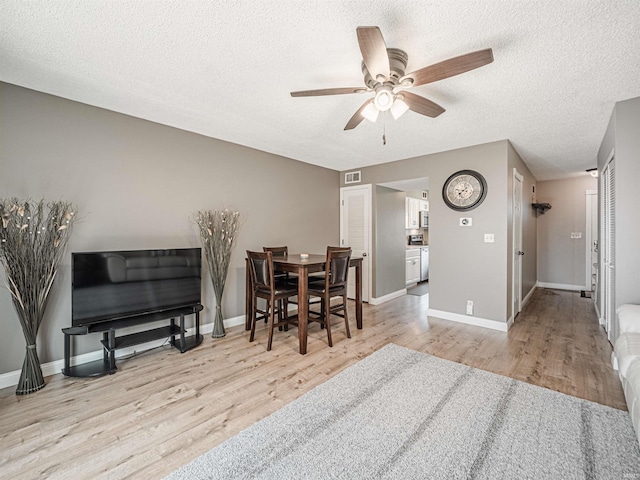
[(254, 319), (285, 307), (327, 316), (346, 315), (266, 320), (271, 321)]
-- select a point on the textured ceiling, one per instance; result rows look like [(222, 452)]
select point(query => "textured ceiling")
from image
[(225, 70)]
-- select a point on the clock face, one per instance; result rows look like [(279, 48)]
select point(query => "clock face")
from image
[(464, 190)]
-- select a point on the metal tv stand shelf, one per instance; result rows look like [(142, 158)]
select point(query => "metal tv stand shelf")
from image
[(111, 343)]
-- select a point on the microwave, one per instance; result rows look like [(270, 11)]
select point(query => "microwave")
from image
[(424, 219)]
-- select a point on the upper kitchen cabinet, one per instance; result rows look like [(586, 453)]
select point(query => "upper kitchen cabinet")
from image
[(412, 212), (413, 207)]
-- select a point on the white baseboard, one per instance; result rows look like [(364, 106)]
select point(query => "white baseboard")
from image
[(561, 286), (470, 320), (10, 379), (387, 297), (510, 322), (528, 296)]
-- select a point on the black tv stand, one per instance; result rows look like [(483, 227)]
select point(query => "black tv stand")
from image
[(111, 343)]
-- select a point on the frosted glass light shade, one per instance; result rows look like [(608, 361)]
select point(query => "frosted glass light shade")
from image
[(398, 109), (370, 112), (384, 98)]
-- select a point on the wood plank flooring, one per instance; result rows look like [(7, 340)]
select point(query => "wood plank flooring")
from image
[(162, 408)]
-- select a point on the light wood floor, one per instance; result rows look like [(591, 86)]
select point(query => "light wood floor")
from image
[(163, 409)]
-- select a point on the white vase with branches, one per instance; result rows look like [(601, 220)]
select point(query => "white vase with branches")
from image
[(33, 238), (218, 231)]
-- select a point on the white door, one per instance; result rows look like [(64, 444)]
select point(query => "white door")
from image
[(591, 242), (607, 272), (517, 243), (355, 231)]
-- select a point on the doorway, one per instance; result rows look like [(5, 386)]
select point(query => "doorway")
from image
[(402, 243)]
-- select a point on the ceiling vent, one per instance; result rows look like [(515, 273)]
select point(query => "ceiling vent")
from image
[(352, 177)]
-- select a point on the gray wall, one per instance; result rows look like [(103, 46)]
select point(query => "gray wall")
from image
[(389, 240), (623, 135), (137, 184), (462, 267), (562, 259)]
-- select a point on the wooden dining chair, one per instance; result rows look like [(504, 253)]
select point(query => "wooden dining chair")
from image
[(319, 277), (265, 286), (334, 285), (281, 274)]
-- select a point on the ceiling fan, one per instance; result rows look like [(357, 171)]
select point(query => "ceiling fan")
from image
[(384, 75)]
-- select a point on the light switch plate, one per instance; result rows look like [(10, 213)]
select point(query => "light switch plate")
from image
[(488, 238), (465, 221)]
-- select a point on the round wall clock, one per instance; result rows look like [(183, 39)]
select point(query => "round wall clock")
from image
[(464, 190)]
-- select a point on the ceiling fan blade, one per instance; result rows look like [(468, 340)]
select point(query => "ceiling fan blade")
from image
[(357, 117), (374, 52), (449, 68), (328, 91), (421, 105)]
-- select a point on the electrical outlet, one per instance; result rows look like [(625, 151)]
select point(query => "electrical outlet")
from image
[(469, 307), (465, 221), (488, 238)]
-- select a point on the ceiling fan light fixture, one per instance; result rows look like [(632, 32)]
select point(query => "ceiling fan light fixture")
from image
[(398, 108), (384, 98), (384, 75), (371, 113)]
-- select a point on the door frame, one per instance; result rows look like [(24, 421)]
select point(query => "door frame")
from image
[(516, 300), (366, 278), (588, 237)]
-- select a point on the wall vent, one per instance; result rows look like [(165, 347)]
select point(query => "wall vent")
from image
[(352, 177)]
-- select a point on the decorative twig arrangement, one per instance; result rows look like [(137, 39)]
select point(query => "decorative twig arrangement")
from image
[(33, 237), (218, 230)]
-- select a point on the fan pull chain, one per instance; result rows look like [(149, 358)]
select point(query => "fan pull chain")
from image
[(384, 130)]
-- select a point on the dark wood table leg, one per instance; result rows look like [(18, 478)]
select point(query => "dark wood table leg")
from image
[(359, 295), (303, 308), (248, 297)]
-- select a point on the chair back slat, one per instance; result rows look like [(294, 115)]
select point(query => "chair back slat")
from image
[(261, 265), (278, 252), (337, 266)]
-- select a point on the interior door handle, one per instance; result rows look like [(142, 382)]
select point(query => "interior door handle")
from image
[(364, 254)]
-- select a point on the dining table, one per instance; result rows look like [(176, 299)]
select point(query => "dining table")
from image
[(303, 266)]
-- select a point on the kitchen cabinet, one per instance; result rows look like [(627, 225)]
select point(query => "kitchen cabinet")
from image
[(412, 212), (412, 266), (424, 205)]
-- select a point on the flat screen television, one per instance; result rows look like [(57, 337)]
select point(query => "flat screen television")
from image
[(117, 285)]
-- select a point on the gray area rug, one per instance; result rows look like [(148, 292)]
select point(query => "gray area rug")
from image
[(401, 414)]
